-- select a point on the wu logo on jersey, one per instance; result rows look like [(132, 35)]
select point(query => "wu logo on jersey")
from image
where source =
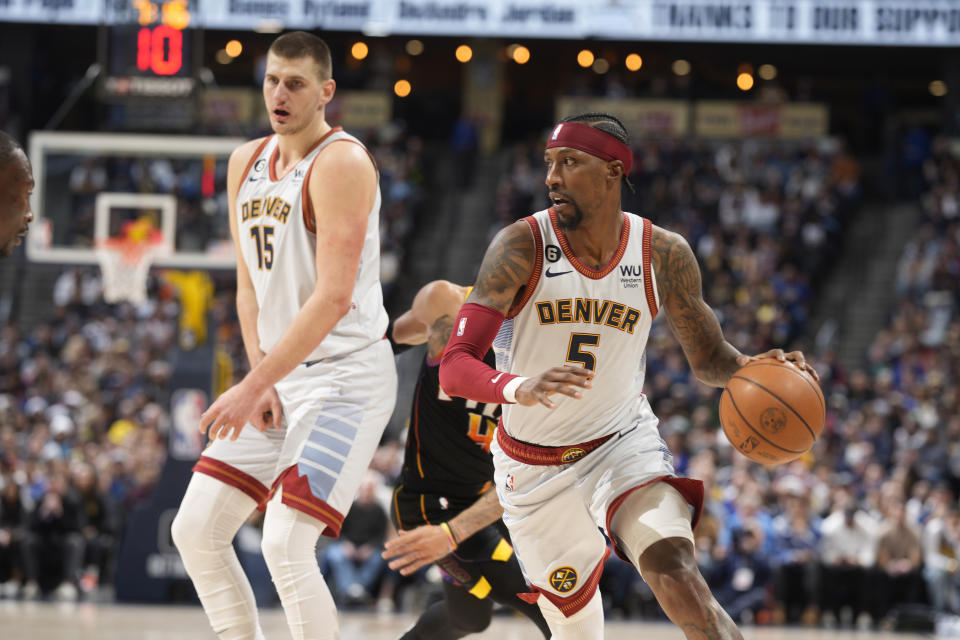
[(563, 579), (631, 276)]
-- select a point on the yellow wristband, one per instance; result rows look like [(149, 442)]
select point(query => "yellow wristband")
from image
[(449, 532)]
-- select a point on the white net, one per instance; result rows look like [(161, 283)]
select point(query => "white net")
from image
[(125, 267)]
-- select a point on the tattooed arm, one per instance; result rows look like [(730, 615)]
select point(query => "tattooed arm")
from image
[(506, 268), (504, 273), (431, 316), (419, 547), (693, 322)]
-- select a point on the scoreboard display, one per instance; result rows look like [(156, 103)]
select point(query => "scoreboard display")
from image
[(155, 41), (148, 56)]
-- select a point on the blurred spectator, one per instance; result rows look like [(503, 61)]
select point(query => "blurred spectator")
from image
[(796, 537), (53, 544), (941, 550), (353, 565), (98, 528), (846, 551), (745, 576), (897, 573), (13, 525)]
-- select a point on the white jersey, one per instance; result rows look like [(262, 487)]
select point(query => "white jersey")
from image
[(277, 236), (571, 314)]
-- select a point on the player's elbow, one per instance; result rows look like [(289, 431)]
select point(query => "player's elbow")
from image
[(449, 377), (340, 304), (334, 300)]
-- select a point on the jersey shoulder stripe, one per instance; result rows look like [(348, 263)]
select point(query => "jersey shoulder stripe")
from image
[(534, 278)]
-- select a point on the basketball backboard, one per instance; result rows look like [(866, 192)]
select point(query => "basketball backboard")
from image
[(89, 185)]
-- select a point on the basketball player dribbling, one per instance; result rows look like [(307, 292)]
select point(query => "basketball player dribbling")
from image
[(16, 183), (445, 507), (578, 446), (298, 432)]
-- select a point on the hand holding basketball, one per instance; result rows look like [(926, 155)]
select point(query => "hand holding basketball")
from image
[(773, 410)]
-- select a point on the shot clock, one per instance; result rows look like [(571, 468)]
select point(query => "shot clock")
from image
[(154, 41), (150, 70)]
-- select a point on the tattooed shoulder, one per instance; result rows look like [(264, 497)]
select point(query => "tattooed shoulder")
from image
[(506, 267), (439, 335), (674, 264)]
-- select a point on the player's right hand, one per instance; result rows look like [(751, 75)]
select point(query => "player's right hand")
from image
[(269, 412), (566, 380), (417, 548)]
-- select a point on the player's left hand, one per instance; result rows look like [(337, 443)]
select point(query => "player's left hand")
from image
[(795, 357), (226, 417), (417, 548)]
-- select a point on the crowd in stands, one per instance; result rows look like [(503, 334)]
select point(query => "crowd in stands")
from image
[(83, 418), (874, 504)]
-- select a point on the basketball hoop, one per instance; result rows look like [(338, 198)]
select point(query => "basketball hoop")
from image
[(125, 262)]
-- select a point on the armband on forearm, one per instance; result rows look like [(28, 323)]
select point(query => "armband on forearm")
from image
[(463, 372)]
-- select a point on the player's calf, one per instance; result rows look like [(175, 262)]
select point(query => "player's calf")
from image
[(670, 569)]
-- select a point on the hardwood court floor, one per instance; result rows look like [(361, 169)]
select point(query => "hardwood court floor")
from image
[(87, 621)]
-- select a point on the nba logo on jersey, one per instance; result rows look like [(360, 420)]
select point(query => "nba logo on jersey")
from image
[(556, 132), (508, 483), (463, 325)]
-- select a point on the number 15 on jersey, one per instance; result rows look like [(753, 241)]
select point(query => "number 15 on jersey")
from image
[(263, 237)]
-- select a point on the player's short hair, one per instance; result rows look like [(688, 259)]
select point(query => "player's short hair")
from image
[(603, 121), (8, 149), (300, 44)]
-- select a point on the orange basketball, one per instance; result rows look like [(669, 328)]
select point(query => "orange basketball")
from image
[(771, 411)]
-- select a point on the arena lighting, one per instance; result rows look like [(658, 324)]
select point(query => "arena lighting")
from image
[(681, 67), (223, 57), (464, 53), (938, 88), (745, 82), (767, 71), (521, 55), (585, 58), (414, 47), (634, 62), (233, 48), (359, 50), (601, 66), (402, 88)]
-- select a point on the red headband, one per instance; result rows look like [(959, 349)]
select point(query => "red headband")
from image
[(593, 141)]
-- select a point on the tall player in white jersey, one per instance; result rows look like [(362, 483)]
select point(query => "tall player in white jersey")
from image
[(297, 433), (567, 297)]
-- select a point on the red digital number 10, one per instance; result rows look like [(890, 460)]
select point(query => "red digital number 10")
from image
[(160, 50)]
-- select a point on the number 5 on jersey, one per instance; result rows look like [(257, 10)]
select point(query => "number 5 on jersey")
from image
[(576, 353), (263, 236)]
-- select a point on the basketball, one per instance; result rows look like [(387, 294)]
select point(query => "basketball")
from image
[(772, 411)]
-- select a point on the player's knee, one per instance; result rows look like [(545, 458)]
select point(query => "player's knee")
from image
[(274, 544), (184, 531), (288, 536), (670, 569), (474, 622)]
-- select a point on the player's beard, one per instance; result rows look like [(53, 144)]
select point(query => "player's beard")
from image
[(571, 224)]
